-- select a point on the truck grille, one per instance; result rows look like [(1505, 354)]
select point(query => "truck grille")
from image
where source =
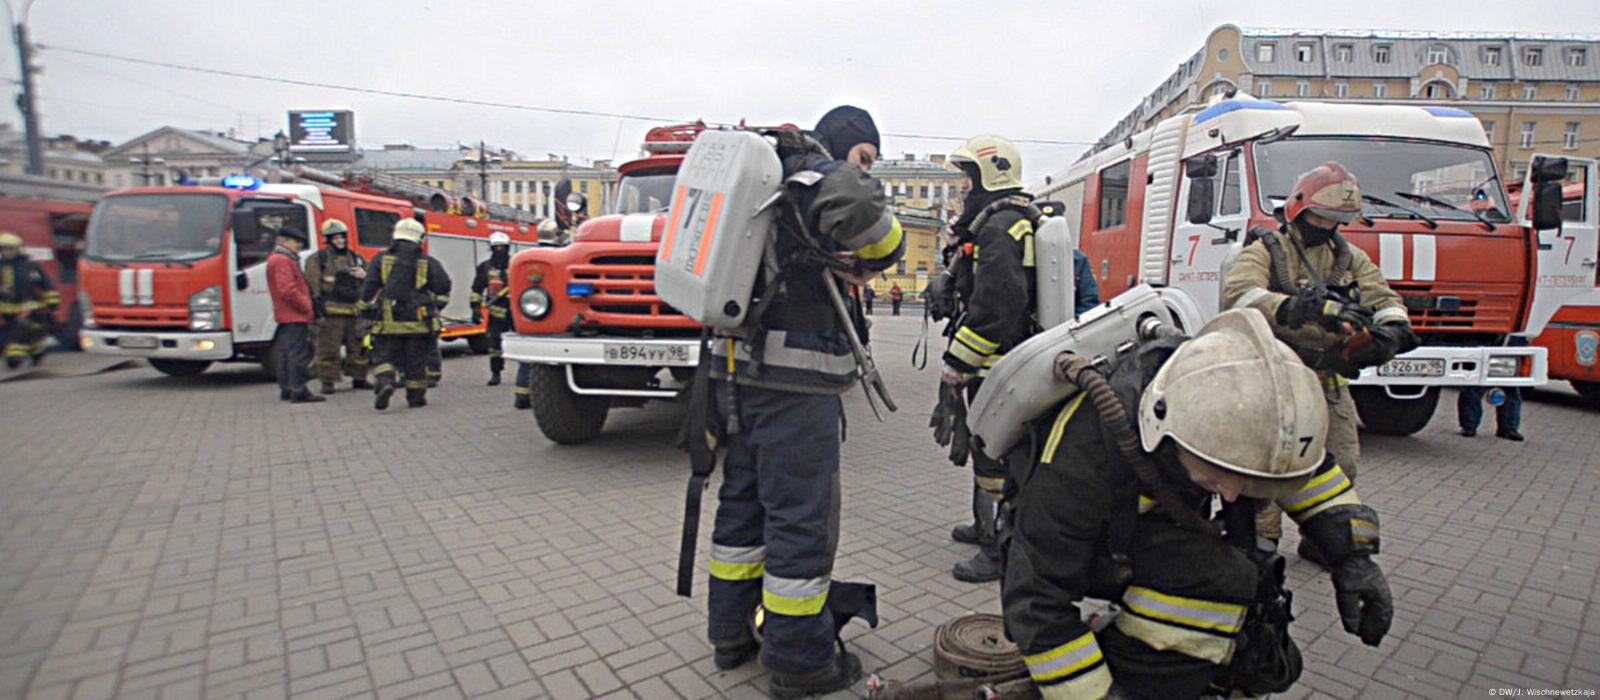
[(141, 317), (625, 293), (1460, 307)]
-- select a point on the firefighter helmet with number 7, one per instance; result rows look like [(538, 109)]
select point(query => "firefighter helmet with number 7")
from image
[(1327, 190)]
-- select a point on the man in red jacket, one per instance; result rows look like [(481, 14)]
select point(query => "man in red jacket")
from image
[(291, 308)]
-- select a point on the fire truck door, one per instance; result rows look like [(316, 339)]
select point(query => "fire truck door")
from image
[(250, 301), (1567, 255), (1199, 252)]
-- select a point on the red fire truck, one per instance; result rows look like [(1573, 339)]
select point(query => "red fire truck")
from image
[(1170, 207), (52, 236), (177, 274), (1572, 336), (587, 313)]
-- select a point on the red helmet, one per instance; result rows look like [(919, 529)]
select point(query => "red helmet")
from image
[(1327, 190)]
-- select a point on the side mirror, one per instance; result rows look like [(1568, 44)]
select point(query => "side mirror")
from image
[(1202, 167), (1201, 172), (1547, 203), (245, 231), (241, 281), (1549, 169)]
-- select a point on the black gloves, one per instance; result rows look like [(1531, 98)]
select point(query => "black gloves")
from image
[(1311, 306), (1362, 593), (1388, 340), (318, 309), (949, 423), (941, 296)]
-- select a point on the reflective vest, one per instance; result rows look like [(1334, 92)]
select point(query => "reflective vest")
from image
[(422, 321)]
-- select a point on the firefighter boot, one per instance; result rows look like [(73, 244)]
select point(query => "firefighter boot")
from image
[(327, 387), (522, 402), (494, 379), (970, 534), (731, 655), (839, 675), (360, 384), (384, 391), (984, 566), (416, 398)]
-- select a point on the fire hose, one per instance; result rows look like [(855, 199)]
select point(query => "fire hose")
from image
[(971, 659)]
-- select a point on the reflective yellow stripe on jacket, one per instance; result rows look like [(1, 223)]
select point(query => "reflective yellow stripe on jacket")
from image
[(1076, 669), (1326, 490), (971, 348), (1203, 629)]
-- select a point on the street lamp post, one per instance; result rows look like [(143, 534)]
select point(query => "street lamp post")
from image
[(25, 101)]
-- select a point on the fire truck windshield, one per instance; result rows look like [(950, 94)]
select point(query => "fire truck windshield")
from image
[(158, 227), (1442, 181), (645, 193)]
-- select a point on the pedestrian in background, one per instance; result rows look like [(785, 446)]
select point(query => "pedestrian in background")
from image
[(334, 273), (292, 309), (867, 296), (895, 297), (1507, 414)]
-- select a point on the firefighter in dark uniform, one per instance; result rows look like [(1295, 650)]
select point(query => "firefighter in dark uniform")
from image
[(1114, 506), (27, 304), (402, 288), (995, 287), (334, 274), (776, 530), (490, 288), (1326, 299)]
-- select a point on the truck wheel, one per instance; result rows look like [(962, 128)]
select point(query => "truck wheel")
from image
[(67, 332), (1590, 391), (563, 416), (1387, 416), (180, 368), (478, 344)]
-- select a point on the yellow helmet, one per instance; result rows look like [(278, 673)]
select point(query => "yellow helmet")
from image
[(997, 160), (10, 240), (409, 230), (1241, 400), (334, 227)]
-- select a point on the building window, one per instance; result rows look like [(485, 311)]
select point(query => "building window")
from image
[(1530, 92), (99, 179), (1572, 93), (1219, 89), (1569, 137), (1114, 196), (1486, 92), (1343, 52), (1519, 171), (1577, 58), (1302, 88), (1528, 130), (1533, 56), (1491, 55), (923, 192), (1380, 89), (505, 188), (1264, 52), (1264, 88), (1222, 54), (1438, 54), (1303, 52), (1380, 53), (1341, 89), (1436, 91), (1488, 130)]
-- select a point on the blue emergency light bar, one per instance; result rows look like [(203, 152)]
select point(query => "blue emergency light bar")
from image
[(240, 182), (580, 289)]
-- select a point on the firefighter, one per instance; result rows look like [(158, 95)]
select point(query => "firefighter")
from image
[(1114, 506), (993, 280), (335, 273), (489, 289), (776, 530), (27, 304), (403, 286), (1325, 298)]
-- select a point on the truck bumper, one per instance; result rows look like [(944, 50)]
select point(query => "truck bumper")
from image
[(1492, 366), (161, 345), (567, 350)]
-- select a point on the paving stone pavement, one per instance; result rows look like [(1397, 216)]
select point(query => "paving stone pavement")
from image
[(177, 538)]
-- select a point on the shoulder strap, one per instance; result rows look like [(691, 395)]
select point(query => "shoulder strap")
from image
[(1018, 203)]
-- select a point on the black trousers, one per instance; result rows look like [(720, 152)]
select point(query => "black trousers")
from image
[(293, 348), (403, 356), (496, 328)]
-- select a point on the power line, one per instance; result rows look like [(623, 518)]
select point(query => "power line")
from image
[(470, 101)]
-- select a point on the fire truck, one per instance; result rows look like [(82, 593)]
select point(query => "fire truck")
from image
[(1171, 206), (177, 274), (52, 229), (587, 314), (1572, 337)]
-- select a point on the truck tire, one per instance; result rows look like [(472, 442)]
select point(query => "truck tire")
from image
[(67, 332), (180, 368), (1590, 391), (564, 417), (478, 344), (1387, 416)]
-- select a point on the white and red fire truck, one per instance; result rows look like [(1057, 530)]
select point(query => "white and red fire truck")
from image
[(177, 274), (1171, 206)]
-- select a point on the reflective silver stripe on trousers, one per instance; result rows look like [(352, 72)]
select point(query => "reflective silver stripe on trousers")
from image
[(795, 588), (739, 555)]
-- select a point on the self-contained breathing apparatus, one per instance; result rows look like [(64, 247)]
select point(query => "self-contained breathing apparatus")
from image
[(721, 234), (1355, 326)]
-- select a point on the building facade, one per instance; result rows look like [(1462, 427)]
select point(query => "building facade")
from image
[(528, 185), (167, 155), (67, 159), (926, 194), (1532, 92)]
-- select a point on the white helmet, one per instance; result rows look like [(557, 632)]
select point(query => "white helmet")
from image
[(409, 230), (498, 238), (996, 159), (1241, 400)]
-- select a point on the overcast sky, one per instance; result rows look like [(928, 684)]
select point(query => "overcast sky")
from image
[(1044, 70)]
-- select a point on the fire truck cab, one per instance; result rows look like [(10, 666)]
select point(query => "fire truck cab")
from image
[(1572, 335), (1171, 206)]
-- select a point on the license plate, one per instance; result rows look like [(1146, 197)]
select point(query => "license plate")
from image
[(645, 354), (136, 342), (1412, 368)]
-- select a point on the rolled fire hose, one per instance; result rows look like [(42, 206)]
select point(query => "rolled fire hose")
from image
[(971, 659)]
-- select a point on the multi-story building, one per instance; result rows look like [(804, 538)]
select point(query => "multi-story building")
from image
[(926, 194), (168, 155), (66, 158), (528, 185), (1533, 92)]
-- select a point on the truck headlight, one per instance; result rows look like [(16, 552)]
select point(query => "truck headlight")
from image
[(205, 309), (1504, 365), (535, 303), (85, 309)]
